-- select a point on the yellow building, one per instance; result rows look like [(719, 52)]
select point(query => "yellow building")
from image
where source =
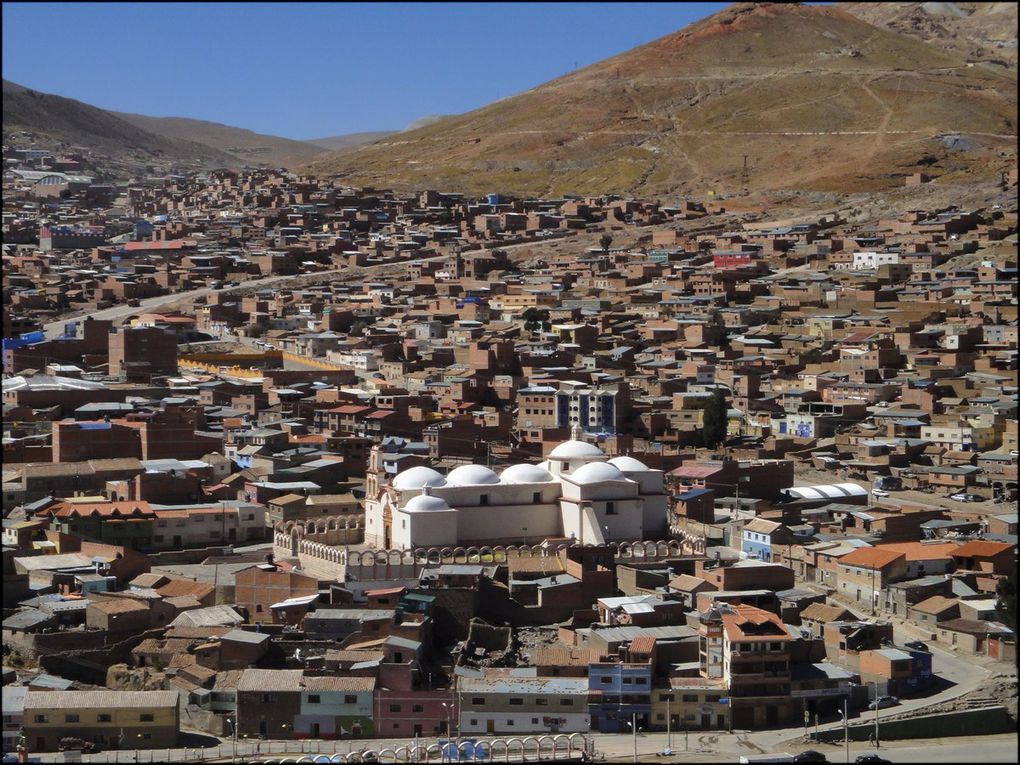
[(694, 703), (112, 719)]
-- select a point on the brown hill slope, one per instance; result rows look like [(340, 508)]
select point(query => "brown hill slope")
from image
[(981, 32), (127, 147), (247, 146), (349, 140), (815, 97)]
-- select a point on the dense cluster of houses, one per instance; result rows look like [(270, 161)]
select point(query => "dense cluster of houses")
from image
[(471, 493)]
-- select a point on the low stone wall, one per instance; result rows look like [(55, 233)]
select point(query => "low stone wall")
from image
[(187, 557), (970, 722)]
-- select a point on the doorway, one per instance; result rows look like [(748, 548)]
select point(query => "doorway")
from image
[(315, 730), (490, 726)]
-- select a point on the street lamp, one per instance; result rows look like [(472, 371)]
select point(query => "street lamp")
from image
[(233, 734), (633, 728), (845, 714), (449, 731)]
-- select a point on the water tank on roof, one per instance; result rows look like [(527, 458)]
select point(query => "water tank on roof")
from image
[(493, 199)]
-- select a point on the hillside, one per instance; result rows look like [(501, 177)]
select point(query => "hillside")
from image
[(246, 146), (353, 140), (816, 98), (980, 32), (115, 143), (349, 140)]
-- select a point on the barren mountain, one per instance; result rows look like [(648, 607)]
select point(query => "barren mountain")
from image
[(814, 97), (348, 140), (246, 146), (353, 140), (978, 32), (55, 120)]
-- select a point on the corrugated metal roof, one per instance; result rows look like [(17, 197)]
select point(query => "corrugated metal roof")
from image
[(100, 699)]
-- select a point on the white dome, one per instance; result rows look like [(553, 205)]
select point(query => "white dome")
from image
[(570, 450), (425, 503), (417, 478), (598, 472), (628, 464), (525, 474), (471, 475)]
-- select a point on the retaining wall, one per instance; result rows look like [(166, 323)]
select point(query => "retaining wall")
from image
[(970, 722)]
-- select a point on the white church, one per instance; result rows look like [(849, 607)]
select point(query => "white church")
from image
[(578, 493)]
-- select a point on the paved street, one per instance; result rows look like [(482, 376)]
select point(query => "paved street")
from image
[(724, 748)]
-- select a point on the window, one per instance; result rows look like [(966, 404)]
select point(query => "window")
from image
[(536, 497), (690, 698), (628, 681), (41, 718), (314, 699), (534, 721), (70, 718), (394, 707), (146, 736), (516, 702), (606, 679), (510, 722), (474, 721), (541, 702), (103, 718), (478, 700), (350, 699), (665, 697), (483, 499), (566, 702), (251, 516), (610, 508), (417, 708), (146, 717)]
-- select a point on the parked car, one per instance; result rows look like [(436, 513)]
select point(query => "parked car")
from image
[(72, 744), (918, 645), (810, 755), (871, 759), (879, 493), (967, 497), (884, 701)]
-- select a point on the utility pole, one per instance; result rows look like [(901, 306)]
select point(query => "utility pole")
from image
[(669, 726), (876, 715)]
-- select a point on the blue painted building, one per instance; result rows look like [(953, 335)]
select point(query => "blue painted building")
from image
[(616, 692)]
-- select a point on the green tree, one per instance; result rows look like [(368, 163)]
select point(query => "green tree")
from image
[(535, 318), (604, 241), (713, 428), (1006, 605)]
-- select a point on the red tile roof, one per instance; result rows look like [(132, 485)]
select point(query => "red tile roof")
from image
[(871, 557), (979, 548), (918, 551)]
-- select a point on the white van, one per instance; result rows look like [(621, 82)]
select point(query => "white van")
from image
[(754, 759)]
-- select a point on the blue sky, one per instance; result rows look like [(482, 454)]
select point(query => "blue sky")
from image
[(314, 70)]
